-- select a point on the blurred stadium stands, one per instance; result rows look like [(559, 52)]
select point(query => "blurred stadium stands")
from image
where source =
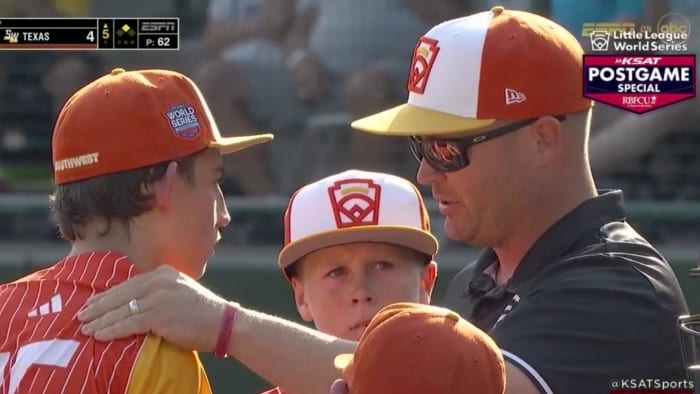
[(661, 185)]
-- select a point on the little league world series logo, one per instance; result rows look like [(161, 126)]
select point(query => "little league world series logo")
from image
[(639, 84), (670, 34), (355, 202)]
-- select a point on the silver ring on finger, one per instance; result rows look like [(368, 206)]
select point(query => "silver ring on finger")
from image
[(134, 306)]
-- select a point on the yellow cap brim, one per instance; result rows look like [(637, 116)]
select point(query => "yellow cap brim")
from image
[(234, 144), (410, 237), (342, 361), (408, 120)]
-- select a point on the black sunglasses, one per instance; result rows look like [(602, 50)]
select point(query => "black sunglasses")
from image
[(450, 154)]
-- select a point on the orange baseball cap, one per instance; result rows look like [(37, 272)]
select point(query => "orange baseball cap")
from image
[(131, 119), (412, 348), (495, 66)]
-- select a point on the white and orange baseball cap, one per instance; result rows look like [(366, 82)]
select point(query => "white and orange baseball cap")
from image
[(130, 119), (469, 73), (355, 206)]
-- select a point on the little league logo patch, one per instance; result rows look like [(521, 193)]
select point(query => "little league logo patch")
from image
[(183, 121), (423, 59), (355, 202), (639, 84)]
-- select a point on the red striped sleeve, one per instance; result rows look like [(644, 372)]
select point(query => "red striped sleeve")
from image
[(38, 321)]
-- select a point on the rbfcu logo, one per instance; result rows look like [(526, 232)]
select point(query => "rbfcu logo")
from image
[(639, 84)]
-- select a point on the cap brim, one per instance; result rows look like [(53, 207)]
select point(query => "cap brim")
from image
[(407, 120), (409, 237), (233, 144), (342, 360)]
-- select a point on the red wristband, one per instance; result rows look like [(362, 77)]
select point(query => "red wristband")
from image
[(221, 349)]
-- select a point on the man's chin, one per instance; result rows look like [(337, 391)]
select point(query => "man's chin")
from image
[(458, 233)]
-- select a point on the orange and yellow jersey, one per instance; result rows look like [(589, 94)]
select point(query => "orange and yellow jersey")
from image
[(43, 351)]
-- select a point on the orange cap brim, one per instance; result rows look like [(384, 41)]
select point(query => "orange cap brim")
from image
[(234, 144)]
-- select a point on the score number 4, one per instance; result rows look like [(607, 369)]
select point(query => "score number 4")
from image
[(54, 352)]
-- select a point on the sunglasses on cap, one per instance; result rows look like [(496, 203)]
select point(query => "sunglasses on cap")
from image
[(450, 154)]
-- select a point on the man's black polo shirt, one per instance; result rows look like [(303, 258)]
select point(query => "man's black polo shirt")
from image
[(591, 301)]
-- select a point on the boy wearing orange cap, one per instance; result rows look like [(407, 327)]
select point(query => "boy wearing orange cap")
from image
[(417, 349), (137, 162)]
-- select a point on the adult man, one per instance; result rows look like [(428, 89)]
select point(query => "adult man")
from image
[(690, 334), (368, 245), (453, 355), (137, 161), (563, 276)]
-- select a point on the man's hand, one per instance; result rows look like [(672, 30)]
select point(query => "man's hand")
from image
[(170, 303), (339, 387)]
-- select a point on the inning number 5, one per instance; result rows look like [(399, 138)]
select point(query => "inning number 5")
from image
[(54, 352)]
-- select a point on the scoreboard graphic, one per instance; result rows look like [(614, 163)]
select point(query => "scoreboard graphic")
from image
[(90, 33)]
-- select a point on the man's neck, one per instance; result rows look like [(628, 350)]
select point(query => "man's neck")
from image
[(534, 224)]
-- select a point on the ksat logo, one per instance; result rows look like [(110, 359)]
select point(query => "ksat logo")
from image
[(639, 61)]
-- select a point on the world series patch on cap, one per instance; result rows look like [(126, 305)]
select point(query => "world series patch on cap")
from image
[(131, 119), (500, 65), (355, 206)]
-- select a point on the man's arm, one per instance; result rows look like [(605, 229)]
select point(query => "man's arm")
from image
[(291, 356), (176, 307)]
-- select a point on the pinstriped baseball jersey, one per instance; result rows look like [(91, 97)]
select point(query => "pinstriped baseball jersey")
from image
[(43, 351)]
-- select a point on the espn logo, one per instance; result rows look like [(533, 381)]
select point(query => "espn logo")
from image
[(158, 27), (609, 27)]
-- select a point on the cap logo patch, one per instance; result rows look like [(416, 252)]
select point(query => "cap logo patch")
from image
[(423, 59), (355, 202), (183, 121), (513, 96)]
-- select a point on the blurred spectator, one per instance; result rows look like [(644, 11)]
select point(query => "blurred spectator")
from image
[(246, 38), (278, 66)]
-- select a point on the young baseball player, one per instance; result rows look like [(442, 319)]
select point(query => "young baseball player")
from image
[(413, 348), (137, 164), (355, 242)]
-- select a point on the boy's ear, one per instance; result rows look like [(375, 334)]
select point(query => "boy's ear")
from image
[(428, 282), (300, 299), (163, 189)]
